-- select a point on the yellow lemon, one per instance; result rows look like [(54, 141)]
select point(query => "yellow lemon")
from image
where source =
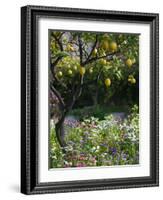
[(70, 72), (90, 70), (113, 46), (59, 74), (75, 68), (130, 76), (129, 62), (105, 45), (82, 71), (107, 82), (133, 80), (94, 52), (103, 61), (69, 66)]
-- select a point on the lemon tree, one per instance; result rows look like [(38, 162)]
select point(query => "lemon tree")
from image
[(96, 65)]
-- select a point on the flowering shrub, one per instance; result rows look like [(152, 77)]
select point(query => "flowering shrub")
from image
[(94, 142)]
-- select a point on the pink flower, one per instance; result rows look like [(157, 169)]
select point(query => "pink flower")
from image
[(81, 165)]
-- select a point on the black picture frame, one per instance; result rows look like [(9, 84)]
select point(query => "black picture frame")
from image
[(29, 98)]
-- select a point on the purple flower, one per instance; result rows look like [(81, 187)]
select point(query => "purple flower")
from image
[(71, 122), (125, 136), (124, 156), (86, 133), (113, 150), (82, 153)]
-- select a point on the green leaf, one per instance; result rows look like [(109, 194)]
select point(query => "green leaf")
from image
[(62, 54)]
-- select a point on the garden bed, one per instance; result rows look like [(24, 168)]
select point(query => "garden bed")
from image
[(97, 142)]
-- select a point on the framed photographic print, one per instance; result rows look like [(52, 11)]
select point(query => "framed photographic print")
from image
[(89, 99)]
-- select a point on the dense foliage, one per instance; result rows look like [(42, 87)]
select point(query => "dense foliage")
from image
[(94, 142), (98, 58)]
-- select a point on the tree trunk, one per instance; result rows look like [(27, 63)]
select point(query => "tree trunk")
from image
[(60, 132)]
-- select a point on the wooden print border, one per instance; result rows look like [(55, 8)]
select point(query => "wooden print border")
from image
[(29, 99)]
